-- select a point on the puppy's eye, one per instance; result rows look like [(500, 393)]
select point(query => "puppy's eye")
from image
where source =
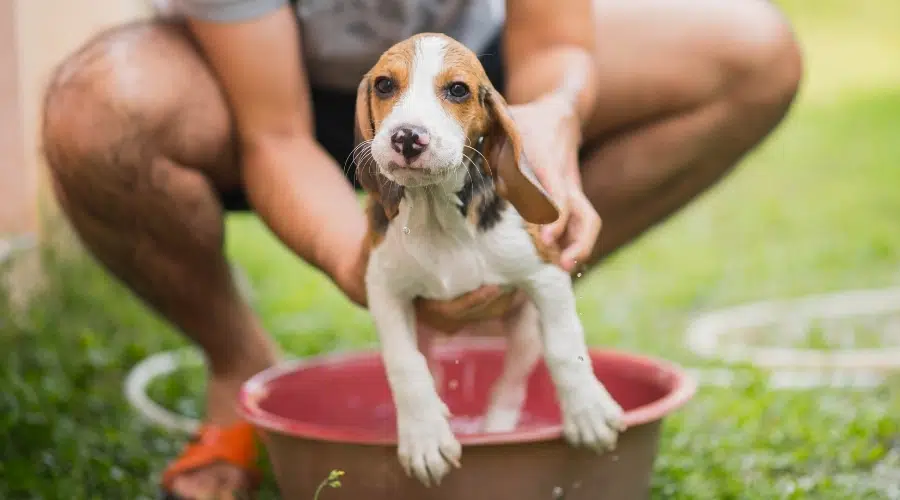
[(458, 91), (384, 86)]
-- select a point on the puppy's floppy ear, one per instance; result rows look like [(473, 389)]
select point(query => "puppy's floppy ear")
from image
[(387, 194), (512, 173)]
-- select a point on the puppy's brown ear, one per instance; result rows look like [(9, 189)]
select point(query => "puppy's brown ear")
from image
[(387, 194), (510, 169)]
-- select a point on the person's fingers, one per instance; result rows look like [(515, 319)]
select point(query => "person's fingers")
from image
[(560, 189), (584, 231), (457, 307), (552, 232), (496, 308), (440, 323), (463, 305), (485, 321), (431, 313), (444, 317)]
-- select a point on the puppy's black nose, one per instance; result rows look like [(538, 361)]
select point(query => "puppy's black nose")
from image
[(410, 141)]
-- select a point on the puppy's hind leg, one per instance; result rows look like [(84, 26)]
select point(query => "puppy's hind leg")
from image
[(524, 349)]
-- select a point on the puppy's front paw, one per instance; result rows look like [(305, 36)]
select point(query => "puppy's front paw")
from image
[(591, 417), (427, 448)]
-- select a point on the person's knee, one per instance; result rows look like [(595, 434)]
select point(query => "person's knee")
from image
[(102, 109), (765, 59)]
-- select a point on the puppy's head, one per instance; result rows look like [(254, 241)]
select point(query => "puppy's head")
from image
[(424, 112)]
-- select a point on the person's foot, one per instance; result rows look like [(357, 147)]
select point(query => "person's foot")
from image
[(219, 481), (221, 465)]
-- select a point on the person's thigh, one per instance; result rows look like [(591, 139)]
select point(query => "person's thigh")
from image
[(142, 89), (661, 57), (687, 88)]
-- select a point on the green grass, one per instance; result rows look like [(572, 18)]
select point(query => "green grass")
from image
[(815, 210)]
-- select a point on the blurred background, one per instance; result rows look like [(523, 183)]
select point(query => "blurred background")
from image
[(815, 210)]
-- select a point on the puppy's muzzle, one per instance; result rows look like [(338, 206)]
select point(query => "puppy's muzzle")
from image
[(410, 141)]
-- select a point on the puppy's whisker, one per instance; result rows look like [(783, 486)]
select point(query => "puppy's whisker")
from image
[(365, 144), (360, 151), (366, 164), (474, 173), (362, 165), (487, 164), (368, 159), (372, 167)]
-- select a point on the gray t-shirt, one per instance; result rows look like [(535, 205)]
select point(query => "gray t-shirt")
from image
[(342, 39)]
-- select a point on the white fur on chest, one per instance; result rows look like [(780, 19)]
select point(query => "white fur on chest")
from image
[(430, 250)]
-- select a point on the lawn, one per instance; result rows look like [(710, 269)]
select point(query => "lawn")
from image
[(816, 209)]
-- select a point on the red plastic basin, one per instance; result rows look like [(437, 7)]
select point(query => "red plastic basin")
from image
[(336, 412)]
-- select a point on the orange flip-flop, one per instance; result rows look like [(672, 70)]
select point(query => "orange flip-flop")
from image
[(212, 444)]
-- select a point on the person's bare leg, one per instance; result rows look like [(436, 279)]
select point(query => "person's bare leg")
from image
[(688, 88), (137, 134)]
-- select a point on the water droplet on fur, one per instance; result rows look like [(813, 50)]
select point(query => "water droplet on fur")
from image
[(453, 384), (405, 230), (558, 492), (578, 275)]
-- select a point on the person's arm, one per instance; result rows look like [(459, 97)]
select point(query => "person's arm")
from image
[(547, 45), (294, 185)]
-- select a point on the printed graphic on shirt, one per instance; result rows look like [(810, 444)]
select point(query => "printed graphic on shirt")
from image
[(337, 28)]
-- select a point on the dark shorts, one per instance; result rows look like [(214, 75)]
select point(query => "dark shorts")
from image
[(335, 115)]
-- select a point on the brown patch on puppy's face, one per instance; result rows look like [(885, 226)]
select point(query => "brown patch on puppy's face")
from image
[(422, 112), (465, 86), (426, 110), (387, 81)]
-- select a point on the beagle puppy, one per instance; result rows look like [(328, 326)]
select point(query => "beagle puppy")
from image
[(445, 221)]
